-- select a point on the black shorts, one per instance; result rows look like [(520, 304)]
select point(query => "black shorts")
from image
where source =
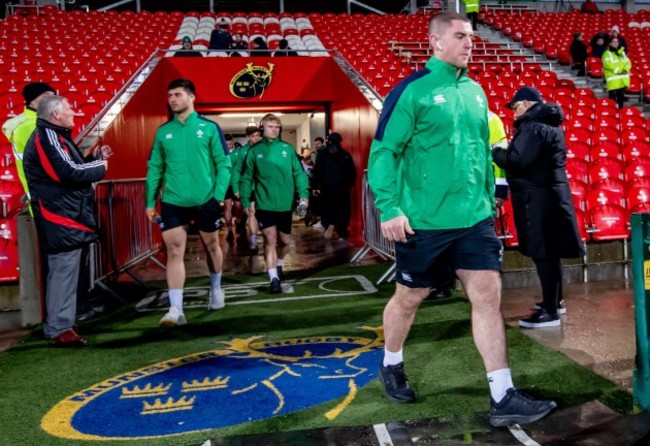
[(230, 195), (474, 248), (204, 217), (281, 220)]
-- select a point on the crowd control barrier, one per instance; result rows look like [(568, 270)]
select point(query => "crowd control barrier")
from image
[(126, 236), (373, 240), (641, 272)]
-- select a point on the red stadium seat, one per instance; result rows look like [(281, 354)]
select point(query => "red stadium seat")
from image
[(577, 150), (638, 199), (630, 135), (606, 107), (606, 122), (583, 225), (508, 222), (11, 193), (631, 121), (578, 135), (581, 123), (605, 169), (605, 149), (579, 190), (605, 134), (637, 168), (609, 222), (8, 250), (602, 195), (577, 169), (637, 149)]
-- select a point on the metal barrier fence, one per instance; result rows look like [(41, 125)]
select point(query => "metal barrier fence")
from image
[(126, 236), (372, 237)]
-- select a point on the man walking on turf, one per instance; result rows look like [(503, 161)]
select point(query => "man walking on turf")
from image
[(273, 170), (189, 163), (430, 169)]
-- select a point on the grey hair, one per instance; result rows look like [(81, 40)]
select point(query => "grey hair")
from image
[(48, 105)]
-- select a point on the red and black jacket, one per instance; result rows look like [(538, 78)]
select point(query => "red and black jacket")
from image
[(60, 183)]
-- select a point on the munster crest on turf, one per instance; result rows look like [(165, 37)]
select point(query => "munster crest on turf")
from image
[(254, 378)]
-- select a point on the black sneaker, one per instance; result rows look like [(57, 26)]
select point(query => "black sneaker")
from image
[(276, 286), (85, 315), (540, 319), (518, 408), (280, 273), (230, 238), (561, 308), (396, 384)]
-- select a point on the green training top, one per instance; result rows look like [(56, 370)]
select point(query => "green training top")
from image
[(237, 160), (188, 162), (431, 160), (273, 170)]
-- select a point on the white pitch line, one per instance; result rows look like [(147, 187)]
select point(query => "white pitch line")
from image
[(365, 284), (522, 436), (383, 435)]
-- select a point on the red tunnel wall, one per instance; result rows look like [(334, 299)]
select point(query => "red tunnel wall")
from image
[(296, 82)]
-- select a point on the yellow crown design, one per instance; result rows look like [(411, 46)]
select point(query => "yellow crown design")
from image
[(145, 391), (206, 384), (170, 406)]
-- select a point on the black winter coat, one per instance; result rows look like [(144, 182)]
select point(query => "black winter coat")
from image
[(541, 199), (334, 172), (60, 183), (579, 52)]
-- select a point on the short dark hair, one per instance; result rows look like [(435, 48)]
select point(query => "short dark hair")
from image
[(251, 130), (228, 137), (440, 22), (321, 140), (185, 84)]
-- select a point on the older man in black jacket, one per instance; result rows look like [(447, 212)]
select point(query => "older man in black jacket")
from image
[(541, 199), (60, 181)]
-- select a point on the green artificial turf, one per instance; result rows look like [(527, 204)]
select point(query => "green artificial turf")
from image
[(442, 362)]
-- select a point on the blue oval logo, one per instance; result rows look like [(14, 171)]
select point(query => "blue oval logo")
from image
[(246, 380)]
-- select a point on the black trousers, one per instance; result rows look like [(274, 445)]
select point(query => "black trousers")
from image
[(549, 271), (618, 96), (335, 210)]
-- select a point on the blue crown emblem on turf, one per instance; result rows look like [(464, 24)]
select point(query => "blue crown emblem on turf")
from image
[(254, 378)]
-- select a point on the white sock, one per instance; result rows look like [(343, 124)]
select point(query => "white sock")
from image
[(279, 262), (391, 358), (176, 298), (273, 273), (500, 381), (215, 281)]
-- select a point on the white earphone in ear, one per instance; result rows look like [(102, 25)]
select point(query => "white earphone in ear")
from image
[(438, 46)]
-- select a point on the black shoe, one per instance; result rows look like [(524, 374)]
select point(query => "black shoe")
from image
[(561, 307), (85, 315), (230, 238), (276, 286), (540, 319), (280, 273), (396, 384), (518, 408)]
